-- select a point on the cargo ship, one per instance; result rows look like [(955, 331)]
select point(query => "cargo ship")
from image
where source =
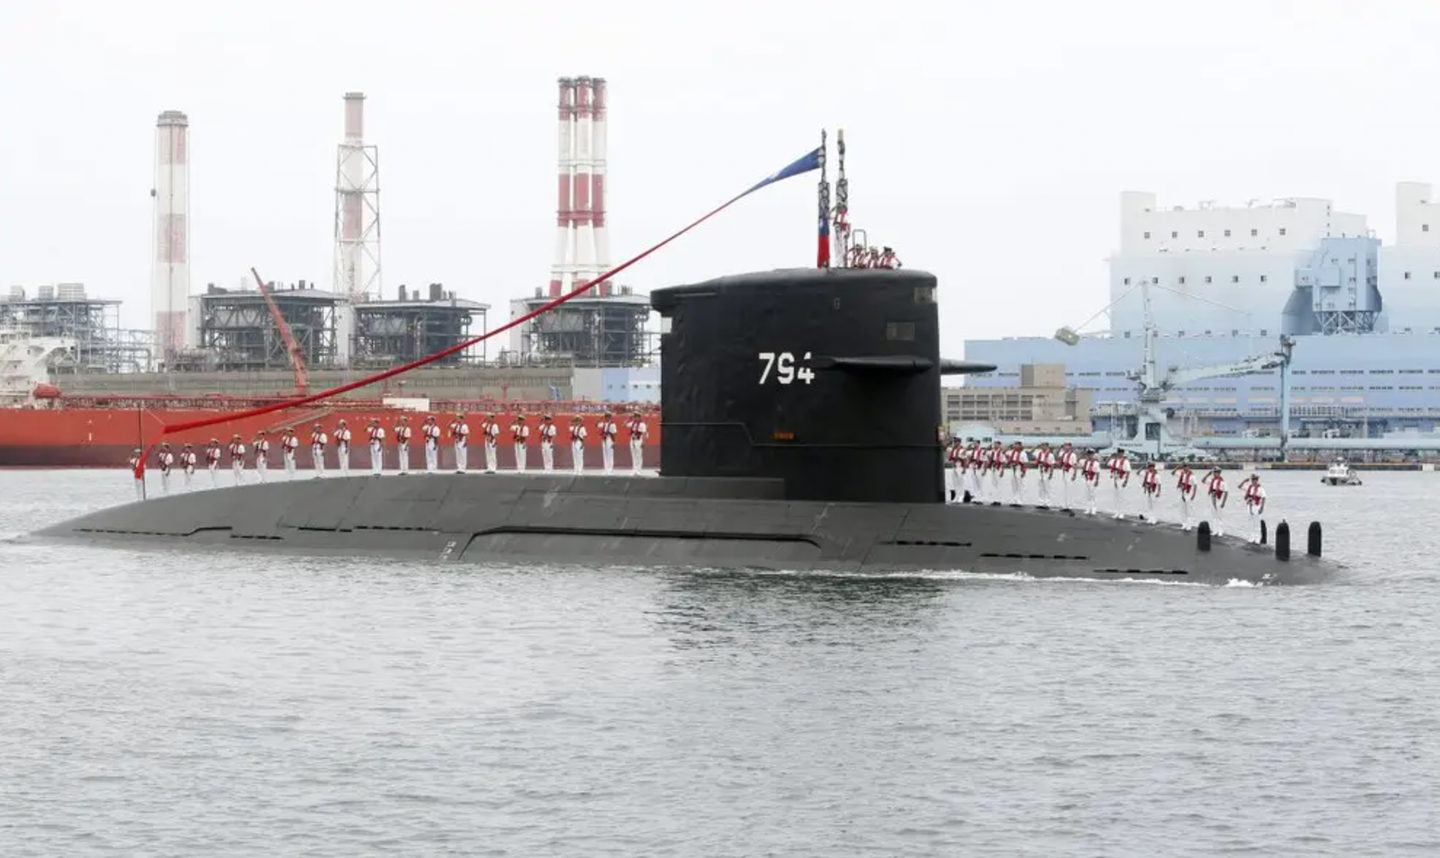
[(58, 431)]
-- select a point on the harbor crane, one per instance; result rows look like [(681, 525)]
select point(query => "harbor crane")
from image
[(1152, 434), (292, 347)]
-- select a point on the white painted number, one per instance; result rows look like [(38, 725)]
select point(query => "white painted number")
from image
[(784, 367)]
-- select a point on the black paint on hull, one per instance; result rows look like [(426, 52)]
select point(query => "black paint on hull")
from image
[(673, 521)]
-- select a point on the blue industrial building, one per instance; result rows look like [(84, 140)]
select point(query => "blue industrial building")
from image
[(1225, 284)]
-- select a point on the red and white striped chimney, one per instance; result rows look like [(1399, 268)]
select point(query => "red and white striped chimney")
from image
[(584, 231), (597, 180), (564, 243)]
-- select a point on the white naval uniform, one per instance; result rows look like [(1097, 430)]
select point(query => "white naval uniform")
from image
[(1254, 495), (167, 461), (139, 481), (638, 431), (607, 445), (1045, 471), (997, 467), (1016, 462), (1090, 473), (262, 458), (237, 461), (974, 461), (460, 431), (212, 463), (288, 445), (377, 449), (547, 446), (1216, 491), (432, 445), (577, 448), (491, 430), (317, 452), (1185, 487), (187, 462), (1119, 478), (342, 450), (1066, 463), (402, 447), (1150, 488), (520, 435)]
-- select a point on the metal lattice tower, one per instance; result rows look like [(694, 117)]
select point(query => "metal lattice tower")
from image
[(357, 209)]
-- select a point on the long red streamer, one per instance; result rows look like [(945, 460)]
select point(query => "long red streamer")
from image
[(391, 373)]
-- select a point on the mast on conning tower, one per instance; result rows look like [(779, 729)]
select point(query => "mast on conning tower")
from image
[(822, 250), (850, 245)]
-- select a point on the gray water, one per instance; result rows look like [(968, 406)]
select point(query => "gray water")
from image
[(187, 704)]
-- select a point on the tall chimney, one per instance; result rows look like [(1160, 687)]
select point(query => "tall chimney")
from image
[(597, 181), (170, 278), (584, 232), (564, 241)]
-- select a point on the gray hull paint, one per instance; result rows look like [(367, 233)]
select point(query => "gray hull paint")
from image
[(698, 522)]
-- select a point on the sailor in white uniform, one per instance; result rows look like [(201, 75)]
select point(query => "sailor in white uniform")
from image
[(377, 449), (1150, 487), (1089, 472), (577, 444), (1044, 472), (342, 448), (460, 436), (607, 442), (1119, 480), (212, 462), (318, 440), (520, 436), (1218, 494), (402, 444), (638, 431), (1065, 461), (431, 432), (1017, 462), (951, 470), (997, 462), (974, 468), (1185, 487), (187, 465), (490, 429), (1255, 504), (167, 461), (547, 443), (135, 476), (262, 455), (237, 459), (288, 445)]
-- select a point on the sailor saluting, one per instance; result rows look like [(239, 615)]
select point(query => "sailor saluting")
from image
[(1215, 489), (1185, 488), (1150, 486), (1255, 503)]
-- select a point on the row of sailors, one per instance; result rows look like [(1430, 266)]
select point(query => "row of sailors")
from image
[(976, 473), (458, 430)]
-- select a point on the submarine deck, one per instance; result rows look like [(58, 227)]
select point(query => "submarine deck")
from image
[(682, 521)]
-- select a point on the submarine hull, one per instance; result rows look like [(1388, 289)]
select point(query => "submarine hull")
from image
[(705, 522)]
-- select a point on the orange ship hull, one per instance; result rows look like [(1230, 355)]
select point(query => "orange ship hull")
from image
[(98, 432)]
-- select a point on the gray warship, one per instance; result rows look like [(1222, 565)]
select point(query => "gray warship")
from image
[(802, 432)]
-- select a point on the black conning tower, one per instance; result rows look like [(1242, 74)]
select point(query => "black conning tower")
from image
[(827, 378)]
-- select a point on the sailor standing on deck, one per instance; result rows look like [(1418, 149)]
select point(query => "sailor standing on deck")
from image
[(187, 462), (1017, 462), (1119, 479), (460, 435), (317, 450), (1255, 503), (996, 464), (952, 470), (974, 466), (237, 459), (288, 445), (377, 449), (167, 461), (577, 444), (1218, 494), (607, 442), (1066, 462), (135, 457), (212, 462), (547, 443), (431, 431), (262, 455), (982, 459), (638, 430), (342, 448), (1185, 487), (1089, 471), (402, 443), (490, 429), (1045, 466), (1150, 486), (520, 435)]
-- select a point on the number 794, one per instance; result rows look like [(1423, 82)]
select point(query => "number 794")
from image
[(780, 366)]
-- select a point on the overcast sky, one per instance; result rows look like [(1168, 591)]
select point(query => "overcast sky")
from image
[(988, 141)]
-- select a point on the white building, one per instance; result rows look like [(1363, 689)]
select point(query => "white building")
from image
[(1224, 271), (1410, 268)]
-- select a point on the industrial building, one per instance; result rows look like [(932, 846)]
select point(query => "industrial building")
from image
[(1040, 404), (236, 330), (1225, 283), (64, 311), (388, 333)]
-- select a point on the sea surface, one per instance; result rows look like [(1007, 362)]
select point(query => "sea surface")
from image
[(178, 704)]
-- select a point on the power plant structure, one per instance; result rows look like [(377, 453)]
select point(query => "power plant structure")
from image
[(170, 277), (605, 327)]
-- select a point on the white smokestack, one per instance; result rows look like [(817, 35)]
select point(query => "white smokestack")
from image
[(597, 181), (170, 280)]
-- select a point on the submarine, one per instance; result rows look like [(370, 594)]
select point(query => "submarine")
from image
[(802, 432)]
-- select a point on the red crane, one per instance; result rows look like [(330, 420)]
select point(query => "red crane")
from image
[(302, 381)]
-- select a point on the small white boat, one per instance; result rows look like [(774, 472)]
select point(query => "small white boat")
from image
[(1339, 474)]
